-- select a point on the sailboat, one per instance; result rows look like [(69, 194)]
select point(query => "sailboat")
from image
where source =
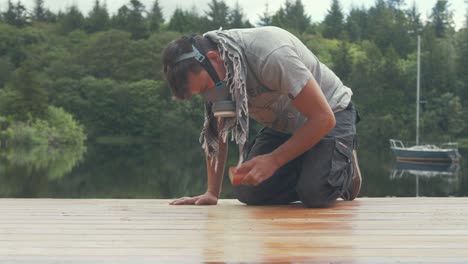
[(447, 152)]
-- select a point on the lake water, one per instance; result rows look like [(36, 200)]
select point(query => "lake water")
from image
[(170, 171)]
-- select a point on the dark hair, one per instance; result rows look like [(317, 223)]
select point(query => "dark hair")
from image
[(176, 73)]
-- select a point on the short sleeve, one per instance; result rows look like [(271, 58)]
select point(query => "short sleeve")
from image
[(284, 71)]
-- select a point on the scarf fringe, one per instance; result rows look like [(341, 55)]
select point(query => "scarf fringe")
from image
[(236, 72)]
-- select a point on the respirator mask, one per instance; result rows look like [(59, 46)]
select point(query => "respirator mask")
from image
[(219, 96)]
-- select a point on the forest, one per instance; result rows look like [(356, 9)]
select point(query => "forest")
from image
[(67, 77)]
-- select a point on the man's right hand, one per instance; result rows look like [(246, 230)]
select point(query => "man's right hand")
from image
[(204, 199)]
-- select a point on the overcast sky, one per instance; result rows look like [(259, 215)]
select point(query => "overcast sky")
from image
[(252, 8)]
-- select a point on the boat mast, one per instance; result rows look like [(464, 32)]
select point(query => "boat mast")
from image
[(418, 89)]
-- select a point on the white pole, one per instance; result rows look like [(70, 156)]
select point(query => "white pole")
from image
[(418, 89), (417, 185), (466, 12)]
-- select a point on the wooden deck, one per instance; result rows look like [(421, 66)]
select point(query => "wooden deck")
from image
[(367, 230)]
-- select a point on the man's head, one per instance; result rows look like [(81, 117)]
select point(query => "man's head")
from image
[(187, 77)]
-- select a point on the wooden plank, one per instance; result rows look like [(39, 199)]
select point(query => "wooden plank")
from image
[(171, 259), (316, 242), (125, 231), (234, 253), (143, 234)]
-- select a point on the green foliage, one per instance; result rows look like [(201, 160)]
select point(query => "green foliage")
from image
[(24, 96), (16, 14), (236, 18), (265, 19), (292, 16), (131, 19), (15, 42), (387, 26), (414, 19), (378, 128), (462, 64), (342, 61), (139, 109), (22, 134), (155, 17), (438, 64), (105, 69), (98, 18), (443, 118), (56, 128), (136, 22), (333, 22), (42, 14), (72, 20), (113, 54), (184, 21), (322, 47), (6, 70), (39, 11), (33, 167), (356, 24), (441, 18), (218, 14), (64, 130)]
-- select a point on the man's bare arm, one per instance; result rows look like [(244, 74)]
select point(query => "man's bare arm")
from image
[(215, 173)]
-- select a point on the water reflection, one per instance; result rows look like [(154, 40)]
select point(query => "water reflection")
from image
[(168, 170), (27, 171), (443, 177)]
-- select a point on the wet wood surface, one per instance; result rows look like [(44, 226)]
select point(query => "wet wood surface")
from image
[(367, 230)]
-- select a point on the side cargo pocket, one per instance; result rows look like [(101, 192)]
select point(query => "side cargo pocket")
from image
[(341, 167)]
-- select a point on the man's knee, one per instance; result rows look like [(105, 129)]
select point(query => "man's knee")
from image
[(317, 197), (268, 193), (248, 198)]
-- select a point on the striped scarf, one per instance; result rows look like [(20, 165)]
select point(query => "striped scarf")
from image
[(236, 72)]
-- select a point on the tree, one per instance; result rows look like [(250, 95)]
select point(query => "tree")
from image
[(438, 64), (187, 22), (342, 61), (132, 20), (6, 70), (72, 20), (136, 21), (396, 4), (218, 14), (42, 14), (441, 18), (333, 22), (119, 21), (39, 12), (292, 16), (155, 17), (443, 117), (388, 27), (178, 21), (414, 19), (236, 17), (16, 14), (265, 18), (32, 98), (98, 18), (356, 24), (463, 63)]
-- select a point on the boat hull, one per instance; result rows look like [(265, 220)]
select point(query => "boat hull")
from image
[(442, 155)]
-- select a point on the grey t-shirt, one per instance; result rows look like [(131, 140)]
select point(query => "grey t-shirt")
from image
[(280, 65)]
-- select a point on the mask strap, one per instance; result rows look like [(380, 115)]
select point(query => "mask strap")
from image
[(204, 62)]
